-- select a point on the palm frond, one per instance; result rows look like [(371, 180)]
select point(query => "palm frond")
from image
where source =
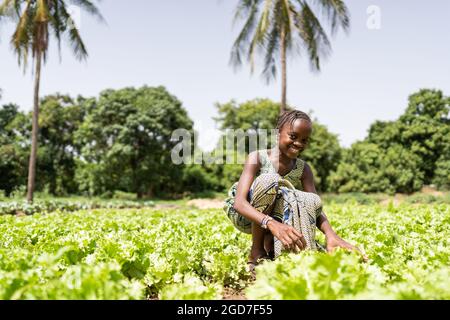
[(89, 7), (37, 18), (57, 25), (292, 45), (337, 14), (314, 38), (244, 35), (42, 14), (8, 8), (21, 39), (75, 40), (286, 18), (243, 8), (272, 49), (265, 20), (258, 41)]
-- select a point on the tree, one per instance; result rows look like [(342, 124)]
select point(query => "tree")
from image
[(127, 144), (35, 20), (323, 153), (423, 129), (253, 114), (401, 155), (367, 167), (14, 134), (278, 27), (60, 118), (426, 127)]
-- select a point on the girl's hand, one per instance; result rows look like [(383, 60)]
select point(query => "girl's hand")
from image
[(289, 236), (335, 241)]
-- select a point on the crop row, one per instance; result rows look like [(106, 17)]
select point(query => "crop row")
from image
[(195, 254)]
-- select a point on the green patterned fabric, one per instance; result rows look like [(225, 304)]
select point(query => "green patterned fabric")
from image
[(294, 176), (282, 198), (277, 197), (262, 196), (300, 211)]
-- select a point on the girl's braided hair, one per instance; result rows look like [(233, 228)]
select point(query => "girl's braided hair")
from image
[(290, 117)]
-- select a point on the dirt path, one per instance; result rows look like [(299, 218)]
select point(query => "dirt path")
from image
[(206, 203)]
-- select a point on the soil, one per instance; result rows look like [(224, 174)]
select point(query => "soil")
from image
[(399, 197), (20, 214), (233, 294), (228, 294), (432, 191), (166, 206), (396, 200), (206, 203)]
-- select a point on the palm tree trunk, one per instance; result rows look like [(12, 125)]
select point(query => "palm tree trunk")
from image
[(35, 130), (283, 71)]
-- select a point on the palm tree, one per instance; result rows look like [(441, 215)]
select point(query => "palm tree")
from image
[(277, 27), (35, 19)]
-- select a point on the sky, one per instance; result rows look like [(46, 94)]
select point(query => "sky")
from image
[(393, 49)]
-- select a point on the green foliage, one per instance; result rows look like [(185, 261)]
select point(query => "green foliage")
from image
[(368, 168), (60, 117), (408, 258), (231, 174), (47, 206), (441, 176), (323, 153), (402, 155), (191, 287), (116, 254), (37, 21), (253, 114), (194, 254), (124, 195), (196, 178), (13, 148), (442, 173), (310, 276), (353, 198), (424, 129), (265, 21), (127, 142), (428, 198), (122, 141)]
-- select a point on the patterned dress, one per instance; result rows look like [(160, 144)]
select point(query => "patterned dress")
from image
[(280, 197)]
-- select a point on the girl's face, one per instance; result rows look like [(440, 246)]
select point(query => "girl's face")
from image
[(294, 139)]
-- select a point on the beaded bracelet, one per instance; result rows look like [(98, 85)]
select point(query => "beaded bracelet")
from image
[(265, 221)]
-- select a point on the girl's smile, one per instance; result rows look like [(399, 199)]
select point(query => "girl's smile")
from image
[(293, 139)]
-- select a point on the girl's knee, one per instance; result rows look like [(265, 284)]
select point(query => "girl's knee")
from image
[(266, 180)]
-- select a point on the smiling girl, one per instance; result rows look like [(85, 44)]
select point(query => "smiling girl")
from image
[(275, 199)]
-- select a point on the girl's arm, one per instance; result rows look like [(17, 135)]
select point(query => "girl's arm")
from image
[(241, 205), (332, 239), (289, 237)]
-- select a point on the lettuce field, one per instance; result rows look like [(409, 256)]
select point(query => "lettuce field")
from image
[(185, 253)]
